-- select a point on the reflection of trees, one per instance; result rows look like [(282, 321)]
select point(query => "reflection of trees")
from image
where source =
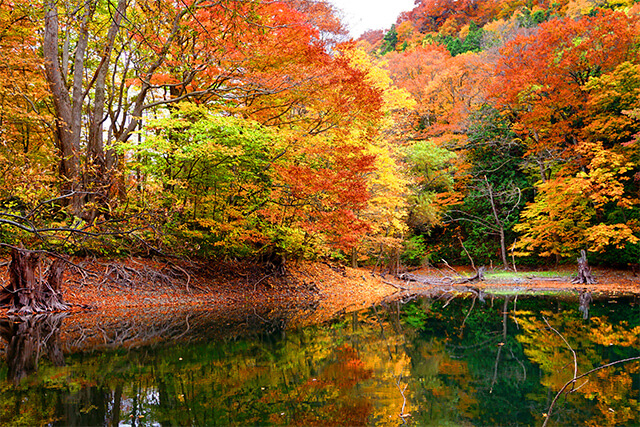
[(222, 369), (28, 338), (134, 328), (607, 397), (247, 371), (473, 373)]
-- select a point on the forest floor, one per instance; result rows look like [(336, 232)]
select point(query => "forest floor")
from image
[(126, 284)]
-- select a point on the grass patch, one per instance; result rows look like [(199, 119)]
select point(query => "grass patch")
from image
[(500, 274)]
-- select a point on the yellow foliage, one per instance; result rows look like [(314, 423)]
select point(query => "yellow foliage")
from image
[(577, 8), (603, 235), (394, 98), (561, 219)]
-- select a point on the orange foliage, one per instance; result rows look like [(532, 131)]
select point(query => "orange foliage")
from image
[(541, 77)]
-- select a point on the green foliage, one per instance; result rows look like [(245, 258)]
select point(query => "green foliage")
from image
[(529, 19), (415, 251), (389, 41), (416, 315), (433, 171), (496, 158), (472, 42), (432, 165), (208, 173)]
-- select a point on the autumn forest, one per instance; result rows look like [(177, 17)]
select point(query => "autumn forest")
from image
[(503, 131)]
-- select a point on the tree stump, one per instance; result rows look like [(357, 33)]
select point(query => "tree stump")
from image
[(584, 271), (28, 292)]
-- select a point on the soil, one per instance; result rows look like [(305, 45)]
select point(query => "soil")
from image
[(111, 286)]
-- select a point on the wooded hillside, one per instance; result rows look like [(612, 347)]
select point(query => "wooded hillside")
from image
[(489, 129)]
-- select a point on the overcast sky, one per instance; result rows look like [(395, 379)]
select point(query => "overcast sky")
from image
[(363, 15)]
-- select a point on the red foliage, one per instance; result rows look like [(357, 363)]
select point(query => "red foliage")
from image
[(541, 77), (323, 191)]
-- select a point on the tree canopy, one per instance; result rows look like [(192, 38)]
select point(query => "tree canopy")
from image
[(229, 128)]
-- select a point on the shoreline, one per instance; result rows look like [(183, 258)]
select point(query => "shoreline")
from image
[(108, 285)]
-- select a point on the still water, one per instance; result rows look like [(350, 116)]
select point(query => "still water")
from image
[(422, 362)]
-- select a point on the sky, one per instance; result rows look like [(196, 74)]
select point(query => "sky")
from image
[(363, 15)]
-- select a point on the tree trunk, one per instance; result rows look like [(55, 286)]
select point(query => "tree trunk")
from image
[(67, 126), (100, 168), (27, 291), (499, 225), (584, 299)]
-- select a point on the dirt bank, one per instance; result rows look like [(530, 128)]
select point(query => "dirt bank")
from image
[(113, 285)]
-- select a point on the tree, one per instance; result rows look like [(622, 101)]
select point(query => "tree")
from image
[(568, 213), (27, 153), (494, 192), (415, 71), (541, 77), (387, 183), (565, 88), (154, 54), (389, 41), (212, 176), (27, 293)]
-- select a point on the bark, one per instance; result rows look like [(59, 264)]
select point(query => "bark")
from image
[(52, 291), (95, 146), (100, 172), (28, 292), (584, 300), (68, 142), (584, 271), (67, 102)]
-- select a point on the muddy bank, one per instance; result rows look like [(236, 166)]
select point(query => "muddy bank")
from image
[(316, 290)]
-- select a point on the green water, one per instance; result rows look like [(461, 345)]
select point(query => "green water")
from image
[(435, 362)]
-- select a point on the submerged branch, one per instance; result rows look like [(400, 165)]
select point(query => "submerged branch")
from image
[(577, 377)]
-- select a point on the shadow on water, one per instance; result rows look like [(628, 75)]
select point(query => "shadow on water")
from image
[(468, 359)]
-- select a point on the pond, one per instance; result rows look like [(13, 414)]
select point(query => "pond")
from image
[(446, 361)]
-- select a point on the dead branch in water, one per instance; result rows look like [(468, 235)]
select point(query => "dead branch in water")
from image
[(576, 377)]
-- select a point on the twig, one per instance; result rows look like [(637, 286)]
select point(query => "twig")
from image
[(450, 268), (576, 377), (404, 400), (467, 252), (185, 273), (502, 344), (575, 358), (382, 331), (449, 300), (524, 369), (255, 285), (386, 282), (469, 312), (515, 318), (573, 380)]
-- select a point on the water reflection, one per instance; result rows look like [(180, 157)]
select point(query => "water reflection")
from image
[(28, 338), (427, 362)]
